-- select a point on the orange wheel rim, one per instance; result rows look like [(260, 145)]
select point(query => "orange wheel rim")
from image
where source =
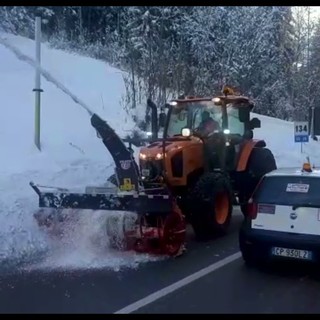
[(221, 208)]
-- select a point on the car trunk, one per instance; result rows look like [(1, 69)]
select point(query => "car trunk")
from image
[(288, 204)]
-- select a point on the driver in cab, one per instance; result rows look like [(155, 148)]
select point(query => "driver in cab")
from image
[(207, 124)]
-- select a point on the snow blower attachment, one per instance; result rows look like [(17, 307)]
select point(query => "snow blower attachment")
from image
[(160, 227), (206, 161)]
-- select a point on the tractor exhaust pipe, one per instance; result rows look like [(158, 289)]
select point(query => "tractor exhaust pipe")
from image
[(154, 119)]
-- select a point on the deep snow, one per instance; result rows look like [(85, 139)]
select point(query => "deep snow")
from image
[(72, 156)]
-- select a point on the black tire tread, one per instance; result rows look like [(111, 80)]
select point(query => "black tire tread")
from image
[(202, 204)]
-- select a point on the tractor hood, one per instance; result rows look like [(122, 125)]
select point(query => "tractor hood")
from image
[(155, 149)]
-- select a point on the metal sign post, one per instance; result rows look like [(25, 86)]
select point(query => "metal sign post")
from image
[(37, 88)]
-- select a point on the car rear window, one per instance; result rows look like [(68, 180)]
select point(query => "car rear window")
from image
[(288, 191)]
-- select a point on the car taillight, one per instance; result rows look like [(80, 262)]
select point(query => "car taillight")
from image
[(252, 209)]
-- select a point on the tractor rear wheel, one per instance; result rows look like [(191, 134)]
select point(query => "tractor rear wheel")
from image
[(211, 205), (261, 161)]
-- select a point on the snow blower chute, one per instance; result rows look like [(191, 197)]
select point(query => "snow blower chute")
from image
[(160, 226)]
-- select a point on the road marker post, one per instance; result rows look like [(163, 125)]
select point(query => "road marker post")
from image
[(301, 132)]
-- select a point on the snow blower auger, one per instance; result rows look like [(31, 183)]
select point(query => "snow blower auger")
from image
[(160, 227)]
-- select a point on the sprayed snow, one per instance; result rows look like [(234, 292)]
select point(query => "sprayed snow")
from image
[(19, 54), (83, 244), (72, 156)]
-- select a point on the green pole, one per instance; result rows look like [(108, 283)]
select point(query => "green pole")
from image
[(37, 119), (37, 89)]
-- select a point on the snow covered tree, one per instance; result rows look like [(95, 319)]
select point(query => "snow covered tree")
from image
[(247, 47), (300, 83), (16, 20), (170, 50), (314, 79), (271, 89)]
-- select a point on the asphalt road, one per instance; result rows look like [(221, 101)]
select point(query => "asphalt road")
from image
[(235, 289), (230, 289)]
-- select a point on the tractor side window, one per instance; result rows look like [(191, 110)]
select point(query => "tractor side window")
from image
[(196, 119), (234, 124), (216, 115), (178, 121)]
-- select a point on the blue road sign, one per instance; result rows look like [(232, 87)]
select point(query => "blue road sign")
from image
[(301, 139), (301, 131)]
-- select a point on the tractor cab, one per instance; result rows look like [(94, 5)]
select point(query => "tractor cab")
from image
[(199, 134), (204, 116), (222, 123)]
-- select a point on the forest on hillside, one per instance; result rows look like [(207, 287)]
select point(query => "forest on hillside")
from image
[(270, 53)]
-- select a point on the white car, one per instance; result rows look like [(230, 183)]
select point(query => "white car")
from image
[(283, 217)]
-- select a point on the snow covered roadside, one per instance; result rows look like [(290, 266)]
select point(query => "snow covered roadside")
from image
[(72, 155), (279, 137)]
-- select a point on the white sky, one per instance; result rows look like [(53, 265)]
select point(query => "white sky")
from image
[(316, 11)]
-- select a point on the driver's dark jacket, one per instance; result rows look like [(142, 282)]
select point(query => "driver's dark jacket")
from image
[(208, 126)]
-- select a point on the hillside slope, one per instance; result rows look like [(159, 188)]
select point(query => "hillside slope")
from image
[(71, 156)]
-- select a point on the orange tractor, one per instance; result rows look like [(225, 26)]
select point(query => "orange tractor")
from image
[(206, 161)]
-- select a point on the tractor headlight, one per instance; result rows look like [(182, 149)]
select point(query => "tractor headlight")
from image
[(159, 156), (186, 132), (142, 156), (226, 131)]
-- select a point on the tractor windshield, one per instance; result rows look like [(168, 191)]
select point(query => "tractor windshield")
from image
[(193, 115)]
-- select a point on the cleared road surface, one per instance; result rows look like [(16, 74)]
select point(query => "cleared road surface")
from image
[(223, 285)]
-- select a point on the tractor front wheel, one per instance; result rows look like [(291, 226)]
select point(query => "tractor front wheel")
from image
[(211, 205)]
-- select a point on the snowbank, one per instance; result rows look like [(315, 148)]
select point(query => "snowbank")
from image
[(71, 154)]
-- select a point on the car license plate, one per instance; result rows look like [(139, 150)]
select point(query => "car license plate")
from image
[(292, 253), (145, 172)]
